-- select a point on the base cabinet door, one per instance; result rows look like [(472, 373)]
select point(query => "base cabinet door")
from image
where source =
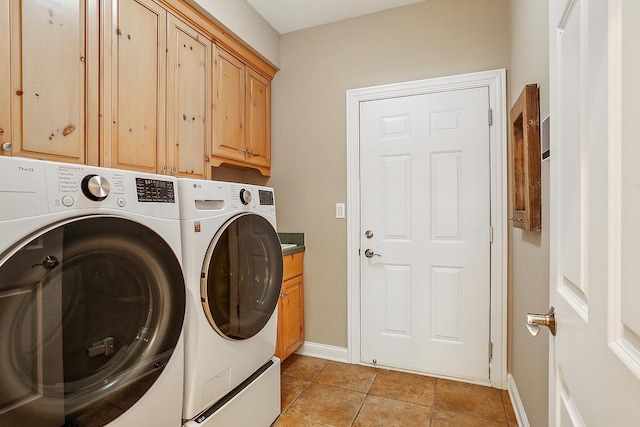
[(293, 316), (291, 307)]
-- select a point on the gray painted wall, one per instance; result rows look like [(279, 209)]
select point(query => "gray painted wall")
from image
[(529, 251), (429, 39)]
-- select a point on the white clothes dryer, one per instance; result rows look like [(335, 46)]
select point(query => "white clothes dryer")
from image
[(92, 297), (233, 270)]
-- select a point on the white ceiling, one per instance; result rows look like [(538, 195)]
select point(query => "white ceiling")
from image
[(292, 15)]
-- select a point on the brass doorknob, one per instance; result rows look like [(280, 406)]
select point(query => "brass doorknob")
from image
[(534, 321), (370, 254)]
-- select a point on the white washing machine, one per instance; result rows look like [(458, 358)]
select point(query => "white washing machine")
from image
[(92, 297), (233, 270)]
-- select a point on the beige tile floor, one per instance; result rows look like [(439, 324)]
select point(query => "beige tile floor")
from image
[(318, 392)]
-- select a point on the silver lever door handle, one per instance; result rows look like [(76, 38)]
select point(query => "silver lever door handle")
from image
[(534, 321), (370, 254)]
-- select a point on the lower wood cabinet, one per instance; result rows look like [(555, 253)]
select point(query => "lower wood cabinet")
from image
[(291, 307)]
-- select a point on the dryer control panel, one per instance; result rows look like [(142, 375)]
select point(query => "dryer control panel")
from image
[(245, 196), (206, 199), (266, 197), (252, 198)]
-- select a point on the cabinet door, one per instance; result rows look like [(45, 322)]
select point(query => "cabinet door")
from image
[(293, 315), (53, 69), (188, 101), (229, 107), (138, 43), (5, 79), (258, 132)]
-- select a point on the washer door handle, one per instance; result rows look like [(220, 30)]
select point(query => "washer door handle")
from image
[(104, 347), (49, 262)]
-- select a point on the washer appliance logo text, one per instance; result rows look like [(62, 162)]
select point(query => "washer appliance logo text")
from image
[(21, 169)]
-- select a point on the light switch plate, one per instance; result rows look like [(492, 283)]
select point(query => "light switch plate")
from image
[(340, 210)]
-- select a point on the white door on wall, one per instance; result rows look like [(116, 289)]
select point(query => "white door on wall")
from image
[(425, 174), (595, 205)]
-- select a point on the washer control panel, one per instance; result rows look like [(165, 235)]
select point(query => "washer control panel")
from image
[(155, 190), (30, 187), (95, 187), (81, 186)]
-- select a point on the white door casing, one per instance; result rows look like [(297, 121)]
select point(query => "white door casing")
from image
[(493, 83), (425, 195), (595, 202)]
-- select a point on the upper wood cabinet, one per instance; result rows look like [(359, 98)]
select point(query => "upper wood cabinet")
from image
[(188, 101), (135, 87), (5, 79), (242, 114), (258, 136), (159, 110), (229, 109), (49, 80), (130, 84)]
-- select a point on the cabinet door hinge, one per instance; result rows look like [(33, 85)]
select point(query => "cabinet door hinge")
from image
[(491, 234), (490, 117), (490, 351)]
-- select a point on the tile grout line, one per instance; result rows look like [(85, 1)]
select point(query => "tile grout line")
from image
[(366, 394)]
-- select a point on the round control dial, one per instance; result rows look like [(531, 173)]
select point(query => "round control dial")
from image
[(95, 187), (245, 196)]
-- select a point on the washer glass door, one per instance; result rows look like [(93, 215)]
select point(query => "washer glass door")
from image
[(90, 312), (242, 277)]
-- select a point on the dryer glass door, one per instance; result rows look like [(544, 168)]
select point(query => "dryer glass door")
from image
[(90, 312), (242, 277)]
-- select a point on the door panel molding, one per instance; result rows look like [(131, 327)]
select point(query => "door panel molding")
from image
[(495, 81), (595, 354), (623, 331)]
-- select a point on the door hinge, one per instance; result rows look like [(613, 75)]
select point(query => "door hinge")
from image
[(490, 351), (491, 234), (490, 117)]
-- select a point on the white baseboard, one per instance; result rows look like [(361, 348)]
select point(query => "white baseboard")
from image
[(518, 407), (324, 351)]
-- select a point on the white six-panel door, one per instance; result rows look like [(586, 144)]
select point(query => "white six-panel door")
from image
[(595, 206), (425, 198)]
